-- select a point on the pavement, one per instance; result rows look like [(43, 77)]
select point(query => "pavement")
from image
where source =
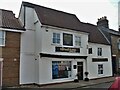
[(70, 85), (80, 84)]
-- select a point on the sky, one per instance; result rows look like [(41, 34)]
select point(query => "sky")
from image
[(86, 10)]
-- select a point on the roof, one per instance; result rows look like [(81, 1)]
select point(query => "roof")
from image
[(48, 16), (95, 35), (52, 17), (9, 21), (108, 32)]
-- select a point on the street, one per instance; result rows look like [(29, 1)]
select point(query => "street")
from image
[(103, 86)]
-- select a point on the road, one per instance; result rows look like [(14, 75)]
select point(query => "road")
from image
[(102, 86)]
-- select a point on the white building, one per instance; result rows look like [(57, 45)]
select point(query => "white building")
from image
[(54, 47)]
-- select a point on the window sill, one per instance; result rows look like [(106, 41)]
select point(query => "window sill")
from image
[(56, 44)]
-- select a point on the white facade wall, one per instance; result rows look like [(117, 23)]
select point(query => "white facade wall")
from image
[(37, 39), (49, 47), (45, 71), (27, 52), (93, 66)]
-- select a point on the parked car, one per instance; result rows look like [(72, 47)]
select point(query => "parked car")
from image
[(115, 85)]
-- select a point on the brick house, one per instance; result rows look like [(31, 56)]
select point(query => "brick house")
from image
[(113, 37), (10, 35)]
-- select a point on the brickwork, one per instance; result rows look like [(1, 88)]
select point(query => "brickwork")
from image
[(0, 52), (11, 55), (115, 50)]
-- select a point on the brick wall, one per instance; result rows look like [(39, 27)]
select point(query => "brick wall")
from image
[(115, 50), (11, 55)]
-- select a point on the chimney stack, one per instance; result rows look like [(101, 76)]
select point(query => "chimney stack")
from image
[(103, 22)]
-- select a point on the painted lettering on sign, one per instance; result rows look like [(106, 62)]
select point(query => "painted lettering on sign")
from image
[(67, 49)]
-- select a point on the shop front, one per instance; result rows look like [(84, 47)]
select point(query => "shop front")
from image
[(57, 70)]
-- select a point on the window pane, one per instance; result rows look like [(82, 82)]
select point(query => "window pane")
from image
[(90, 51), (100, 69), (67, 39), (77, 41), (61, 69), (2, 37), (56, 38)]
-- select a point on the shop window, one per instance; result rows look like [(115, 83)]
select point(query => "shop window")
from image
[(77, 41), (99, 51), (100, 68), (56, 38), (90, 51), (61, 69), (67, 39), (2, 38)]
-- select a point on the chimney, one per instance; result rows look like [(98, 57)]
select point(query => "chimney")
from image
[(103, 22)]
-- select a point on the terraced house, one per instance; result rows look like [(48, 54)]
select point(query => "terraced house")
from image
[(56, 47), (45, 46), (10, 35)]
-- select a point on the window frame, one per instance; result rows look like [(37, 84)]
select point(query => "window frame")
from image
[(99, 51), (100, 71), (118, 44), (77, 40), (71, 41), (61, 66), (56, 38), (90, 52), (3, 38)]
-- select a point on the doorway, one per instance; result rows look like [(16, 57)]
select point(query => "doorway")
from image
[(80, 70), (114, 65)]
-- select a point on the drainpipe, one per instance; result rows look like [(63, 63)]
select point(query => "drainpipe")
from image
[(1, 72), (24, 16)]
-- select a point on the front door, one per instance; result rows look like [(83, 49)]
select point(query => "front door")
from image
[(114, 65), (80, 70)]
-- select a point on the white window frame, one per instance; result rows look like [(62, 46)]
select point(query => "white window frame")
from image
[(102, 69), (99, 51), (91, 51), (77, 41), (3, 38), (56, 38)]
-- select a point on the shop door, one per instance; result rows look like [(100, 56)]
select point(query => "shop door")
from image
[(80, 70), (114, 65)]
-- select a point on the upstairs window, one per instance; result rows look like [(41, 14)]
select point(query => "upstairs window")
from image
[(67, 39), (99, 52), (77, 41), (2, 38), (56, 38), (90, 51), (118, 44)]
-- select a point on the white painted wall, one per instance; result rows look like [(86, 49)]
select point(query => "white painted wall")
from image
[(45, 70), (49, 47), (93, 66), (27, 51)]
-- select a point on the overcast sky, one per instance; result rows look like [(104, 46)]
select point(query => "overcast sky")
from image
[(86, 10)]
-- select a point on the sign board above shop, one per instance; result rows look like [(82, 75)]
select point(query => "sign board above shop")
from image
[(67, 49)]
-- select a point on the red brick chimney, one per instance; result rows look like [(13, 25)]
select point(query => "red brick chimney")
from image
[(103, 22)]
